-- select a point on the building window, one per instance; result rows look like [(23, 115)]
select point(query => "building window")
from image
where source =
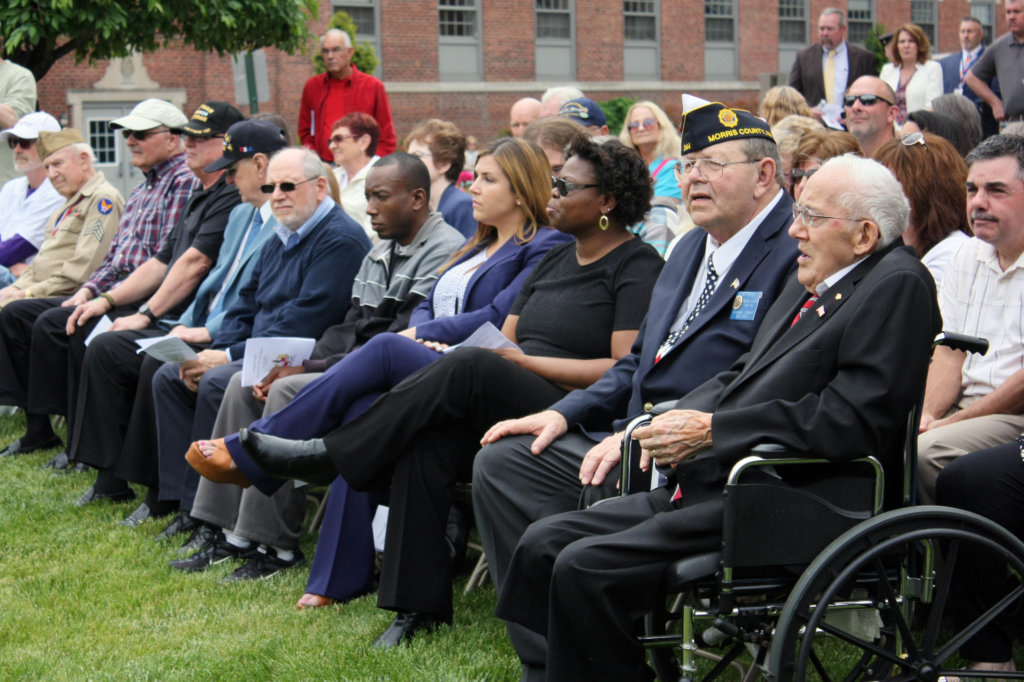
[(365, 15), (720, 54), (923, 13), (860, 20), (986, 14), (641, 48), (458, 45), (103, 141), (793, 22), (555, 47)]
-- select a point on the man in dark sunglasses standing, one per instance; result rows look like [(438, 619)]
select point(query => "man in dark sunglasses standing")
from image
[(870, 112)]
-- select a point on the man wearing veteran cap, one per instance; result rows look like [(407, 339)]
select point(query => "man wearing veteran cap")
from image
[(151, 211), (79, 233), (115, 379), (25, 202), (705, 310), (587, 113)]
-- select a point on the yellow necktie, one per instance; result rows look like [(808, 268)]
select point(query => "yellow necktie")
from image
[(830, 76)]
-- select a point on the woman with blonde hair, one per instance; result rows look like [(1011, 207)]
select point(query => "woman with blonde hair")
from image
[(915, 78), (788, 133), (647, 129), (782, 101), (815, 149)]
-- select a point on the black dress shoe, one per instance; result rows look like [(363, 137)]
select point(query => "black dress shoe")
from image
[(143, 512), (306, 460), (76, 468), (203, 535), (91, 495), (59, 462), (23, 447), (181, 523), (406, 625)]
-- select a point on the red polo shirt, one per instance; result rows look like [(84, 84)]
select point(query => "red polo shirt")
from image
[(326, 99)]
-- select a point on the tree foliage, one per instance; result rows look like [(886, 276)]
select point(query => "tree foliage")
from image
[(36, 33), (363, 56)]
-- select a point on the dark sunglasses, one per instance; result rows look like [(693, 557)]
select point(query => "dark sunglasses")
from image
[(141, 135), (564, 187), (285, 186), (13, 142), (647, 123), (866, 100), (798, 173)]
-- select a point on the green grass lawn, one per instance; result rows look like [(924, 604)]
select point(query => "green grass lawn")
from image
[(82, 597)]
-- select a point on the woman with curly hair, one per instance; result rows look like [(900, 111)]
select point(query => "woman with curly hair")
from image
[(441, 146), (577, 314), (782, 101), (648, 130)]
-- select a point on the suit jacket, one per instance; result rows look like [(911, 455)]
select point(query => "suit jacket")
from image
[(491, 290), (951, 81), (839, 383), (806, 75), (234, 232), (711, 343)]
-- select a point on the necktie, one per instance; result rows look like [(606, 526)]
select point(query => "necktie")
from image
[(710, 281), (803, 309), (830, 77)]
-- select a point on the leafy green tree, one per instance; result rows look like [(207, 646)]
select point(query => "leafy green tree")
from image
[(363, 57), (873, 42), (36, 33), (615, 112)]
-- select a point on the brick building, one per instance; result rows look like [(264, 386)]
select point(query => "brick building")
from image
[(468, 60)]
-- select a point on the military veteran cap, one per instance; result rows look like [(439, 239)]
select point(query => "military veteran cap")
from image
[(49, 142), (584, 111), (708, 123), (211, 118), (151, 113), (247, 138)]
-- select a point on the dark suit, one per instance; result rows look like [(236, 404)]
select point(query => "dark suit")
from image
[(806, 74), (951, 81), (839, 383), (513, 488)]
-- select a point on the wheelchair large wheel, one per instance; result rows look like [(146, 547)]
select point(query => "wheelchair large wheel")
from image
[(875, 604)]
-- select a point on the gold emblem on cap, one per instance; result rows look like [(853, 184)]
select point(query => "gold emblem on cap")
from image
[(728, 118)]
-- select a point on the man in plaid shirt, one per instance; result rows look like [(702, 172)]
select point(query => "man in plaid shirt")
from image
[(151, 211)]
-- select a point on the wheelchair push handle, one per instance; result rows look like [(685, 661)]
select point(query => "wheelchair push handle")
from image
[(964, 342)]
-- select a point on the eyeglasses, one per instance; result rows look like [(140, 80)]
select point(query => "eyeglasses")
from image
[(13, 142), (798, 173), (564, 187), (910, 139), (806, 216), (141, 135), (866, 100), (338, 139), (285, 186), (709, 169), (649, 122)]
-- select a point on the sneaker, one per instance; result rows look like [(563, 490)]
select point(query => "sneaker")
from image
[(181, 523), (264, 564), (218, 551), (200, 538)]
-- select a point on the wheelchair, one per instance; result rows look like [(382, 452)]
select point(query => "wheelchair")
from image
[(816, 581)]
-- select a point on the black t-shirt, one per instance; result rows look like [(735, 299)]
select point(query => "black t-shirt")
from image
[(201, 225), (570, 311)]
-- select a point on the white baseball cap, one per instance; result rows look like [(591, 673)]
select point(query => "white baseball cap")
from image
[(29, 126), (152, 113)]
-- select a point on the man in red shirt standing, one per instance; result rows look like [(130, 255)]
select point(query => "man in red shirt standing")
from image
[(328, 96)]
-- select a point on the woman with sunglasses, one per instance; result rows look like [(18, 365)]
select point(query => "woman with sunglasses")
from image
[(915, 78), (814, 150), (577, 314), (934, 178), (353, 142), (648, 130)]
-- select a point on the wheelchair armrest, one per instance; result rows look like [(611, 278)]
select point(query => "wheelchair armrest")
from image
[(969, 344), (631, 478)]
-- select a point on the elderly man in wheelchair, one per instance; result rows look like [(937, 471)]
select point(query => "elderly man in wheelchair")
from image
[(838, 364)]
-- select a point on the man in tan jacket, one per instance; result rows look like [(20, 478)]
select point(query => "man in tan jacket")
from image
[(79, 233)]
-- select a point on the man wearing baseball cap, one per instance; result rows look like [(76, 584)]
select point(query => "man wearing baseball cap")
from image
[(25, 202), (116, 379), (152, 209), (587, 113), (78, 234)]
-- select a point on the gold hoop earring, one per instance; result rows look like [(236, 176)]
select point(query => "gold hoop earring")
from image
[(603, 222)]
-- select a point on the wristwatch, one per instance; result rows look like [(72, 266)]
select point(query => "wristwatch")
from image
[(144, 310)]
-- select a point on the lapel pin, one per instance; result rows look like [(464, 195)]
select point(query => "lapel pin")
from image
[(839, 296), (735, 283), (821, 311)]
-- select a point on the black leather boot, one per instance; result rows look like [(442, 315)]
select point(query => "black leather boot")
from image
[(306, 460)]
